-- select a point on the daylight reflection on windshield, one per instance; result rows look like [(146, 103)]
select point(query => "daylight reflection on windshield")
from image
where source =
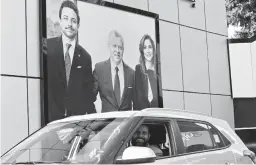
[(77, 142)]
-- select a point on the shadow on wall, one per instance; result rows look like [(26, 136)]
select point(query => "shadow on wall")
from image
[(248, 136), (245, 113)]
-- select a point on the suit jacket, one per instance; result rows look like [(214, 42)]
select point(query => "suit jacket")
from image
[(141, 91), (77, 98), (103, 84)]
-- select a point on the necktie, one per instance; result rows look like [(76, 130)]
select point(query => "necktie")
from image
[(67, 63), (117, 87)]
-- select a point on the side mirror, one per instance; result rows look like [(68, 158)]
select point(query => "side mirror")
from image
[(250, 154), (133, 155)]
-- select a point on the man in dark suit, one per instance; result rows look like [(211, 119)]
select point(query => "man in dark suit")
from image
[(114, 79), (69, 76)]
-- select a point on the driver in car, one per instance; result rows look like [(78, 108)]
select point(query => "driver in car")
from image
[(141, 138)]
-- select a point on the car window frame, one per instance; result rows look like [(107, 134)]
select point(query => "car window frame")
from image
[(170, 132), (221, 138), (201, 122), (110, 157)]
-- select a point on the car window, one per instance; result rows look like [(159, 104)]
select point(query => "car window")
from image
[(196, 136), (154, 135)]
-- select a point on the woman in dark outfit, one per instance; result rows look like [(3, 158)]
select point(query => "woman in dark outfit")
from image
[(146, 90)]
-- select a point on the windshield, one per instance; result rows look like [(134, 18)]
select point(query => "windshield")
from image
[(76, 142)]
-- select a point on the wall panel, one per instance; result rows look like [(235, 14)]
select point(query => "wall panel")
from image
[(192, 17), (198, 103), (171, 68), (33, 41), (34, 105), (167, 9), (173, 100), (194, 59), (141, 4), (14, 119), (216, 21), (222, 107), (13, 38), (218, 64)]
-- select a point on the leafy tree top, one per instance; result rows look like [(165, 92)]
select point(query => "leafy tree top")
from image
[(242, 13)]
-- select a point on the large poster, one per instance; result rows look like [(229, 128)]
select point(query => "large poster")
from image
[(100, 57)]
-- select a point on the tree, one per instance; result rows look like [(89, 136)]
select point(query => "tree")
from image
[(242, 13)]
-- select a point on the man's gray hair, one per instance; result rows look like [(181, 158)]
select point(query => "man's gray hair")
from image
[(115, 33)]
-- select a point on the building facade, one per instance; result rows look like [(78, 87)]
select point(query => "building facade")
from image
[(193, 51)]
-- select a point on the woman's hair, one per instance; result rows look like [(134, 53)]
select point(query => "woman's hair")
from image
[(142, 57)]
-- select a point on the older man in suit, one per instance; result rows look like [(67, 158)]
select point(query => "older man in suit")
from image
[(114, 79), (69, 76)]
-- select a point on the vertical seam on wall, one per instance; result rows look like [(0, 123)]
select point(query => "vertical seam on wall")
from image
[(26, 32), (148, 4), (207, 47), (181, 59), (229, 67)]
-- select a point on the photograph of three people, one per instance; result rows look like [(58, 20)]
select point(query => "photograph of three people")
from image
[(99, 59)]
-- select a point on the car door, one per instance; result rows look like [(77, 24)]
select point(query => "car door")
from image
[(173, 158), (203, 143)]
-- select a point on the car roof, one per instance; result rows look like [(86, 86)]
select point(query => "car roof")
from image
[(149, 112)]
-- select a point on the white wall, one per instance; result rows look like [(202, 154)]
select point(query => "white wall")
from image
[(194, 61), (253, 53), (20, 71), (243, 69)]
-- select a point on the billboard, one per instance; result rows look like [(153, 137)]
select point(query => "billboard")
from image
[(98, 57)]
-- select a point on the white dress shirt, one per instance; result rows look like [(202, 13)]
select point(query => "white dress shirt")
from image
[(65, 42), (150, 94), (120, 74)]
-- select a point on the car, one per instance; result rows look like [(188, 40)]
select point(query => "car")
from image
[(153, 136)]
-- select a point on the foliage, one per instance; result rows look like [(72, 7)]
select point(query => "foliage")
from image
[(53, 28), (242, 13)]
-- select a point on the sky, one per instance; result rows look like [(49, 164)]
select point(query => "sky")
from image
[(232, 30)]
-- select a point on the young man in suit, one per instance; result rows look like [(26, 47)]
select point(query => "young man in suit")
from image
[(114, 79), (69, 76)]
